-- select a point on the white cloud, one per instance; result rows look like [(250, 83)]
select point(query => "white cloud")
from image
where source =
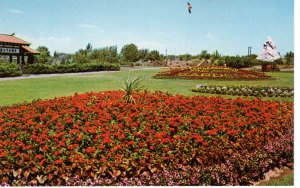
[(87, 26), (105, 43), (120, 43), (60, 44), (15, 11), (212, 37), (126, 33), (209, 36), (95, 28), (151, 46)]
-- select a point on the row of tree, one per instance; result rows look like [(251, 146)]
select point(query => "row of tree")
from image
[(131, 54)]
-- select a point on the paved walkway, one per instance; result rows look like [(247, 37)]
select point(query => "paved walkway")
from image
[(123, 69)]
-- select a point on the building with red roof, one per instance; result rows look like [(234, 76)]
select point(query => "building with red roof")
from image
[(16, 48)]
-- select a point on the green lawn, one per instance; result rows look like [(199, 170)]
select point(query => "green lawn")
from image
[(16, 91), (286, 180)]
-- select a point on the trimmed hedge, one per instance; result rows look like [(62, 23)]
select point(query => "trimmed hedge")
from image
[(68, 68), (9, 70)]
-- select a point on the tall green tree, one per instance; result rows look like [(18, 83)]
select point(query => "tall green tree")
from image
[(44, 56), (81, 56), (153, 55), (107, 54), (143, 54), (55, 54), (129, 53), (204, 55), (185, 57), (289, 57), (215, 55), (89, 48)]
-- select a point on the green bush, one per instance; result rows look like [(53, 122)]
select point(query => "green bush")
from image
[(69, 68), (9, 70), (279, 61), (37, 68), (237, 61)]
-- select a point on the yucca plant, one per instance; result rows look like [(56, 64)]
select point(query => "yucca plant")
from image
[(129, 86)]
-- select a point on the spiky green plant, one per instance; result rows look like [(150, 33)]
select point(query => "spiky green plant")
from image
[(129, 86)]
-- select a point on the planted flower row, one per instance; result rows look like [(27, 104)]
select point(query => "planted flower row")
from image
[(218, 73), (226, 173), (99, 139), (258, 91)]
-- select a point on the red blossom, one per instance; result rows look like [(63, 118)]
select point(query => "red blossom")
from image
[(90, 150), (152, 147), (41, 163), (211, 132), (202, 129), (58, 161), (3, 154), (205, 143), (39, 156), (56, 153), (103, 160)]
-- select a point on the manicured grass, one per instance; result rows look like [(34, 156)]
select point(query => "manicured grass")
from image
[(16, 91), (287, 180)]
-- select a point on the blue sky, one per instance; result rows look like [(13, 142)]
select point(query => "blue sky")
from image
[(229, 26)]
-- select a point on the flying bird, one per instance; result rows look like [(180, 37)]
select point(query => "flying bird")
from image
[(189, 7)]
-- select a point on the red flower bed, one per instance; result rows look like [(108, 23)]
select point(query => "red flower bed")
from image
[(99, 136), (218, 73)]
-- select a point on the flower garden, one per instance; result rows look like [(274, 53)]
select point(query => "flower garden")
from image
[(162, 139), (212, 72), (257, 91)]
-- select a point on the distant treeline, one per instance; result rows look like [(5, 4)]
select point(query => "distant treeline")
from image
[(108, 58), (131, 54)]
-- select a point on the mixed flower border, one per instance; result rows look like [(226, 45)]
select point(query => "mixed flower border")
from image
[(257, 91), (162, 139), (211, 72)]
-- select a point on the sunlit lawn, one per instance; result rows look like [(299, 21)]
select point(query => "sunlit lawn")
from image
[(285, 180), (16, 91)]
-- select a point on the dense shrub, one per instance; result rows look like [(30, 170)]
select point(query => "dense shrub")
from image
[(68, 68), (9, 69), (278, 61), (237, 61)]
